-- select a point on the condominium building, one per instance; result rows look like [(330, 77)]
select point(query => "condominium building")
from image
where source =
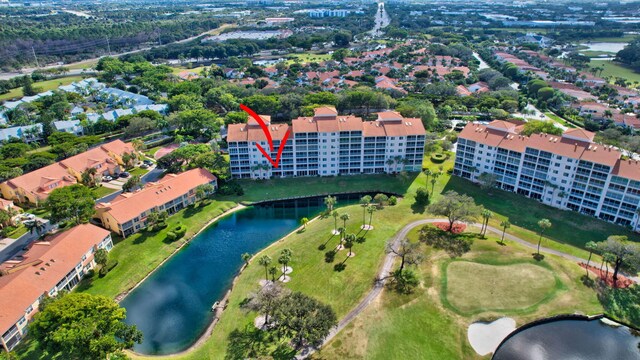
[(46, 268), (328, 144), (127, 213), (321, 13), (570, 171)]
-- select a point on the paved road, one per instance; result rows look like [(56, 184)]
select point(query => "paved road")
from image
[(151, 176), (381, 20), (16, 246), (389, 261)]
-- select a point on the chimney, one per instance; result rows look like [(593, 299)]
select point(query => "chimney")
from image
[(575, 148)]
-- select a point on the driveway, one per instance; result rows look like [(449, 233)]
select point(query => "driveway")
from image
[(10, 247), (153, 175)]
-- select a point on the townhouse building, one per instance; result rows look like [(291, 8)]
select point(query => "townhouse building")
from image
[(570, 171), (35, 187), (43, 270), (328, 144), (127, 213)]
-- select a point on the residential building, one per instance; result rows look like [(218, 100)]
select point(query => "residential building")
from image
[(35, 186), (43, 270), (278, 21), (328, 144), (570, 171), (70, 126), (127, 213), (27, 133), (320, 13)]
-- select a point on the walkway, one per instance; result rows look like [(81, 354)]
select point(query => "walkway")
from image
[(389, 261)]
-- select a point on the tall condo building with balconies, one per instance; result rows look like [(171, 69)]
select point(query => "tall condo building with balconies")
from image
[(328, 144), (570, 171)]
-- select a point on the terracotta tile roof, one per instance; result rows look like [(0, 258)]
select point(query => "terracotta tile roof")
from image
[(482, 134), (629, 169), (463, 91), (37, 181), (579, 134), (94, 158), (130, 205), (58, 256), (325, 111)]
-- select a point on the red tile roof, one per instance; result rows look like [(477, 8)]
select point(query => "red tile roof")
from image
[(58, 255)]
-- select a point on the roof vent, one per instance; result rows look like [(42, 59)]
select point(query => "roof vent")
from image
[(37, 273)]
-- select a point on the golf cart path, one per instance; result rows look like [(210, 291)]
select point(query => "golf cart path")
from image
[(388, 263)]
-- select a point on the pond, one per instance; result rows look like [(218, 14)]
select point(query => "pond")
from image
[(572, 339), (172, 307)]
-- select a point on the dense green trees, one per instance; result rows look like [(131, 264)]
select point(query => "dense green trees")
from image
[(74, 202), (83, 326), (456, 207), (630, 55)]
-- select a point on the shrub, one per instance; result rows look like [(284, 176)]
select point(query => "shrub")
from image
[(450, 171), (393, 200), (438, 158), (231, 188), (171, 236), (422, 196)]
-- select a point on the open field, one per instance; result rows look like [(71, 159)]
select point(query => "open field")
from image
[(625, 38), (307, 58), (43, 86), (178, 69), (614, 70)]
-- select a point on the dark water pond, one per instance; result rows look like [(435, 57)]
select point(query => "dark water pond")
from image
[(172, 307), (572, 339)]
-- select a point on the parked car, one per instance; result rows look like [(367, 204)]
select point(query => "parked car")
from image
[(124, 174), (107, 178), (29, 217), (144, 166), (147, 162)]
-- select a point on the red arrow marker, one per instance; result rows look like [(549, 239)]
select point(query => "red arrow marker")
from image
[(265, 130)]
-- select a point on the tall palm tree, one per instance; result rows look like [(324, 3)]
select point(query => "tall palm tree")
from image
[(246, 257), (330, 201), (486, 215), (544, 224), (344, 218), (365, 201), (36, 225), (349, 241), (592, 247), (609, 258), (335, 220), (284, 259), (265, 260), (273, 271), (371, 210), (505, 225), (390, 163), (427, 173)]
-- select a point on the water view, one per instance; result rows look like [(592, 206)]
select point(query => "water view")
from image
[(572, 339), (173, 306)]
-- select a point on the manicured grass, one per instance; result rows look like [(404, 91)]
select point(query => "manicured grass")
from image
[(43, 85), (420, 326), (86, 64), (102, 191), (559, 120), (569, 227), (624, 38), (138, 171), (308, 57), (19, 231), (294, 187), (614, 70), (177, 70), (152, 151), (495, 287), (141, 253)]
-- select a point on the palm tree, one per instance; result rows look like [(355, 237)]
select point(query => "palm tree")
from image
[(273, 271), (265, 260), (364, 202), (544, 224), (349, 241), (344, 218), (608, 258), (284, 258), (335, 220), (390, 163), (246, 257), (486, 215), (371, 210), (427, 173), (592, 247), (505, 225), (330, 201), (304, 222), (36, 225), (434, 180)]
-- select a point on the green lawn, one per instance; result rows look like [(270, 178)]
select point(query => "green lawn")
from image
[(493, 287), (177, 70), (614, 70), (624, 38), (559, 120), (141, 253), (43, 85), (293, 187), (86, 64), (411, 326), (138, 171), (102, 191), (19, 231), (308, 57)]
